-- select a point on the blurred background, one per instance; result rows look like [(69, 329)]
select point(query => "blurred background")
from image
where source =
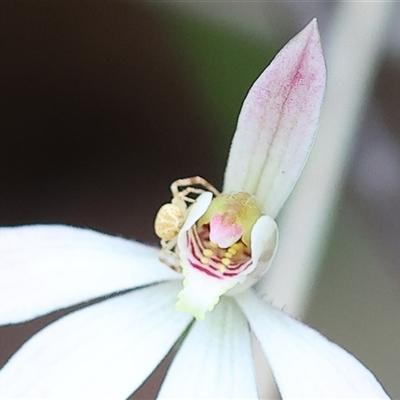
[(104, 104)]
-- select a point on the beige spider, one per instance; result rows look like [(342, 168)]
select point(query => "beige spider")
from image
[(171, 216)]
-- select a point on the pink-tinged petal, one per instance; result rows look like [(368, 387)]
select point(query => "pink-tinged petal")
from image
[(104, 351), (44, 268), (278, 122), (305, 364), (215, 359)]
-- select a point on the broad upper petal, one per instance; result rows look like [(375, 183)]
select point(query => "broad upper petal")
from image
[(106, 350), (215, 359), (305, 364), (278, 122), (44, 268)]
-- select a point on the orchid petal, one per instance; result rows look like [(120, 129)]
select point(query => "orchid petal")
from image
[(44, 268), (264, 239), (278, 122), (203, 288), (196, 211), (214, 360), (305, 364), (200, 292), (106, 350), (264, 242)]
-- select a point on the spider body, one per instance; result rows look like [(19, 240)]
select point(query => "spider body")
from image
[(171, 216), (169, 221)]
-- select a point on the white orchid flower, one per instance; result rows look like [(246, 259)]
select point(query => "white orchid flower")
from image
[(223, 245)]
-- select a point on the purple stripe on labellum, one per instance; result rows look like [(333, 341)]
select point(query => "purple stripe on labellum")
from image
[(211, 259)]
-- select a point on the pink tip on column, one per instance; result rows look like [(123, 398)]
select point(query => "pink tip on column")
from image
[(223, 231)]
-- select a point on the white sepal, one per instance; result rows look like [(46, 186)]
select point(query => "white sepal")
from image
[(106, 350), (305, 364), (47, 267), (215, 360)]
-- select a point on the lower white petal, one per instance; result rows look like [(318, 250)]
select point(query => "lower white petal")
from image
[(44, 268), (215, 360), (305, 364), (104, 351)]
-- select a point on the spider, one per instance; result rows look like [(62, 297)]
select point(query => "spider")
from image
[(171, 216)]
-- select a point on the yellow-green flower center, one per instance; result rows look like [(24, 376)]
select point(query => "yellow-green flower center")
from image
[(231, 217)]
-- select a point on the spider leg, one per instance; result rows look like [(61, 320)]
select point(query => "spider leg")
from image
[(168, 255), (208, 186), (184, 194), (195, 180)]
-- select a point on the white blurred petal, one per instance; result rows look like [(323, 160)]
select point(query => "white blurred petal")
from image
[(215, 359), (44, 268), (278, 122), (305, 364), (104, 351)]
